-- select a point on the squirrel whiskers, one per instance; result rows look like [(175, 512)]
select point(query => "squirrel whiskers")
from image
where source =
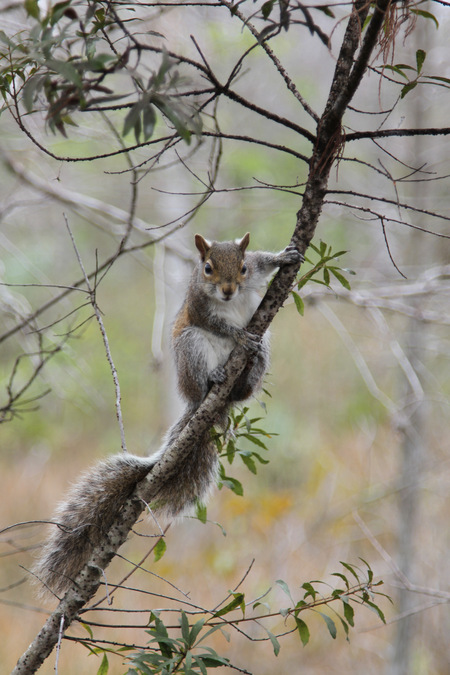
[(222, 296)]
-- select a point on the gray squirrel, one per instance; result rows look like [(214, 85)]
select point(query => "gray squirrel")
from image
[(222, 296)]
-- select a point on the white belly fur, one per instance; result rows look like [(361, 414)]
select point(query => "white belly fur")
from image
[(237, 312), (215, 349)]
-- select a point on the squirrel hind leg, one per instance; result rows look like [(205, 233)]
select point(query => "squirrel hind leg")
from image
[(196, 474), (250, 380)]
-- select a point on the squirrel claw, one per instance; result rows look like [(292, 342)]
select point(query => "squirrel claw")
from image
[(291, 255), (217, 376), (251, 342)]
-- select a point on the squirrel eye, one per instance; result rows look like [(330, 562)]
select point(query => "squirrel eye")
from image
[(244, 269), (208, 269)]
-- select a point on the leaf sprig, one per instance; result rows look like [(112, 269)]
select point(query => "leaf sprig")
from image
[(240, 428), (321, 271), (179, 647)]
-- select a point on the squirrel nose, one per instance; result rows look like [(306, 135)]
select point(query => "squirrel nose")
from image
[(228, 291)]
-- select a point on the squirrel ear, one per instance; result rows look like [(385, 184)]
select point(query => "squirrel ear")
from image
[(244, 242), (203, 245)]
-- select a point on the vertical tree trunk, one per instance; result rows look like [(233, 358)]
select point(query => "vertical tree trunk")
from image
[(414, 414), (412, 453)]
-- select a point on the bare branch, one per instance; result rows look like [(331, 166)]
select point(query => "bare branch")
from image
[(98, 316)]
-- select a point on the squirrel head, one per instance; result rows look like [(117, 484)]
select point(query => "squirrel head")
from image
[(223, 266)]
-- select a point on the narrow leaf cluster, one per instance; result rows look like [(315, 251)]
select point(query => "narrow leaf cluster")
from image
[(180, 647)]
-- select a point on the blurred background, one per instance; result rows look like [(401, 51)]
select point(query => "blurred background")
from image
[(359, 385)]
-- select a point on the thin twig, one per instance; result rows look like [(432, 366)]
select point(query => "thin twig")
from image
[(58, 646), (98, 316)]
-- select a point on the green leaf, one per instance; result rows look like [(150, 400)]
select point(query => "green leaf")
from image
[(131, 118), (200, 665), (300, 305), (231, 483), (149, 121), (339, 254), (326, 10), (310, 590), (403, 66), (337, 593), (100, 16), (249, 463), (345, 626), (407, 88), (32, 8), (104, 666), (159, 549), (58, 11), (350, 569), (254, 439), (5, 39), (201, 512), (188, 664), (248, 426), (157, 79), (174, 115), (137, 130), (87, 628), (31, 90), (446, 80), (398, 69), (160, 635), (425, 15), (267, 8), (369, 570), (367, 21), (284, 587), (66, 70), (98, 62), (260, 459), (266, 607), (420, 58), (215, 661), (212, 660), (238, 601), (322, 248), (341, 576), (348, 612), (195, 630), (184, 623), (274, 641), (303, 630), (375, 608), (234, 485), (340, 277), (330, 625), (209, 632), (231, 451)]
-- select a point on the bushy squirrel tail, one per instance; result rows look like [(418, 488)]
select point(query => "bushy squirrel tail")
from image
[(96, 499)]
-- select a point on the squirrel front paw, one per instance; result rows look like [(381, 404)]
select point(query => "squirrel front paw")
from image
[(217, 376), (250, 341), (290, 255)]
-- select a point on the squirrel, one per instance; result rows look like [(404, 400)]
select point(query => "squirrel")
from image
[(221, 298)]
